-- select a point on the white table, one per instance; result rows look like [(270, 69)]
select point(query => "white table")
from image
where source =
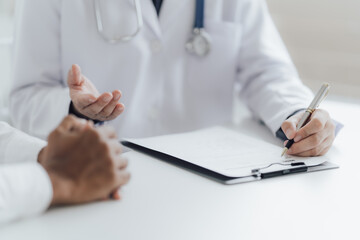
[(166, 202)]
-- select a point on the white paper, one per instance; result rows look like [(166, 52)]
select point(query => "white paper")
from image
[(223, 150)]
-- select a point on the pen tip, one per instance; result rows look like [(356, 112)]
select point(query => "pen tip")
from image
[(283, 152)]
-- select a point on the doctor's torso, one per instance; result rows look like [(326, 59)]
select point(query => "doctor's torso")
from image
[(165, 88)]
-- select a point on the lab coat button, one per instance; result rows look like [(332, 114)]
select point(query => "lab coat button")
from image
[(156, 46)]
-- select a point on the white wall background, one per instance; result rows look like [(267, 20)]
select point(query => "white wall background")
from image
[(323, 38)]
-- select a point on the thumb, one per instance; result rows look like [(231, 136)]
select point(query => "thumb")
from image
[(72, 123), (289, 126), (75, 77)]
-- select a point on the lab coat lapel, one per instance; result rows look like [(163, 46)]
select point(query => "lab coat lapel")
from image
[(150, 16)]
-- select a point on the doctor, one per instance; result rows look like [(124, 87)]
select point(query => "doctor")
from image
[(178, 65)]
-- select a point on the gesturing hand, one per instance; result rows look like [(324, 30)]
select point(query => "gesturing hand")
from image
[(88, 101), (315, 138), (84, 164)]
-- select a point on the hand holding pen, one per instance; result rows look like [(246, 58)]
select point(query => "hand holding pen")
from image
[(312, 132)]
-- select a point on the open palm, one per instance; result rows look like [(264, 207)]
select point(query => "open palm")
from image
[(88, 101)]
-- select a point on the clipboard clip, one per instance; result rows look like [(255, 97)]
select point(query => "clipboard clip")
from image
[(300, 167)]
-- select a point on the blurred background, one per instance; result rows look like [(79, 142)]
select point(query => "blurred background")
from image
[(322, 36)]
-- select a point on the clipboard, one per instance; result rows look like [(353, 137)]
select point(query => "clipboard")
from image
[(262, 171)]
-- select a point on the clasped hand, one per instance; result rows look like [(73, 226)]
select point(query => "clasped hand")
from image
[(84, 163)]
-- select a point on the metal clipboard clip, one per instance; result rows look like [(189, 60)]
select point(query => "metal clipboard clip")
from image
[(299, 167)]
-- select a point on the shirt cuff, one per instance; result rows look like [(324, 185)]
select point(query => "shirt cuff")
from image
[(74, 112), (25, 190)]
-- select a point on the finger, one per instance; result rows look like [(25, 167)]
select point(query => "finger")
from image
[(119, 109), (122, 177), (308, 143), (95, 108), (71, 123), (107, 132), (317, 122), (91, 124), (115, 147), (74, 76), (310, 153), (80, 125), (82, 101), (323, 152), (317, 151), (108, 110), (289, 126), (121, 163), (116, 195)]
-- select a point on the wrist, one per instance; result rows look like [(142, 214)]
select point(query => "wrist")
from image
[(61, 189), (77, 113), (73, 110)]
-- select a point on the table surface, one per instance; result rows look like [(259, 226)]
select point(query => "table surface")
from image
[(165, 202)]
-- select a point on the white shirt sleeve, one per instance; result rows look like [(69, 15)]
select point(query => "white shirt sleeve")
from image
[(270, 84), (25, 187), (25, 190), (17, 146)]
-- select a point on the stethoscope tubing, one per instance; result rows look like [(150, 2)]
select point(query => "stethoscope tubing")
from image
[(199, 14)]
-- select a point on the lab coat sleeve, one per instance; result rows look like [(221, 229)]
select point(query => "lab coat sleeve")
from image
[(39, 98), (270, 85), (25, 187)]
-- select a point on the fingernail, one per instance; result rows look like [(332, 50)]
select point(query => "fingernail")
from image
[(91, 100), (297, 138), (116, 196), (288, 132)]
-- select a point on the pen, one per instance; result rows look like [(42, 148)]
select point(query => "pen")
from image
[(319, 97)]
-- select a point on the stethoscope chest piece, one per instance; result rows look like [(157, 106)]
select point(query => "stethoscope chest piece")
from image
[(200, 43)]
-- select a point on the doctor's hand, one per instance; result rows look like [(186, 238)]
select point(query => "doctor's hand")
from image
[(84, 164), (314, 139), (87, 100)]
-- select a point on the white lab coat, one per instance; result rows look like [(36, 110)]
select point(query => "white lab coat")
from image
[(25, 187), (165, 89)]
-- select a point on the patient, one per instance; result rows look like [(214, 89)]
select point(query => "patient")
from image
[(79, 164)]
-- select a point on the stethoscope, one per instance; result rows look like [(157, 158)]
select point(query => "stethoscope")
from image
[(199, 43)]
